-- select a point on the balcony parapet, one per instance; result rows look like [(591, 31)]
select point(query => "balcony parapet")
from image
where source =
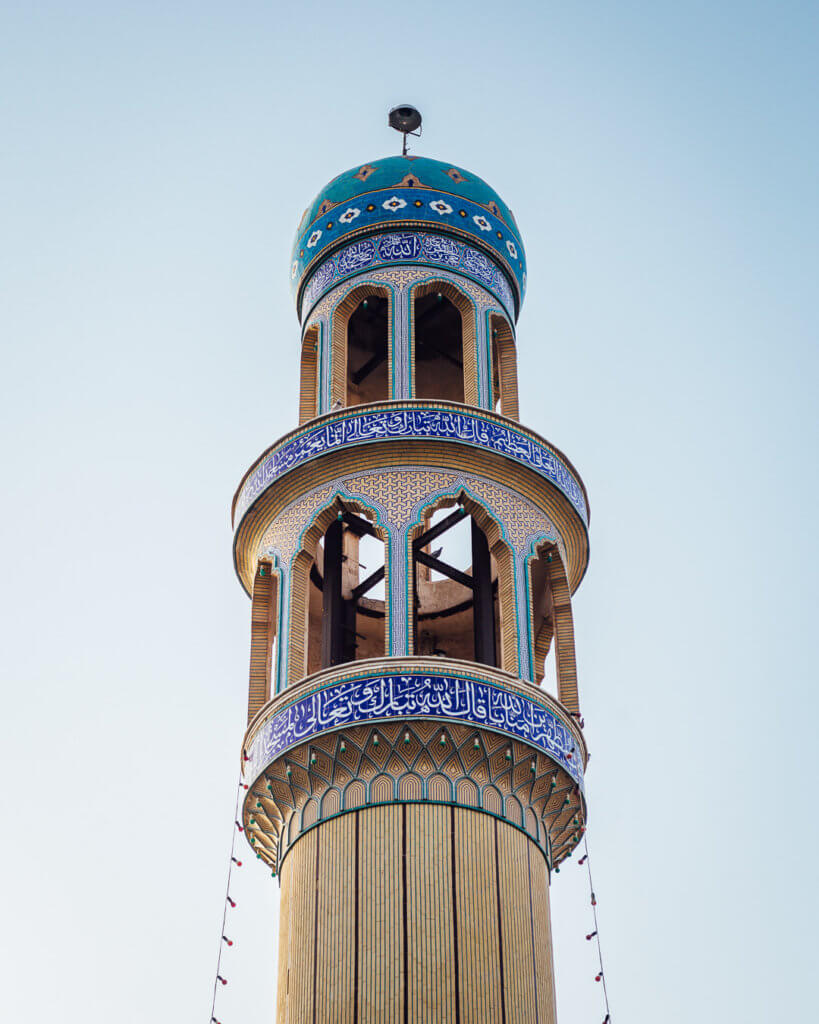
[(401, 422)]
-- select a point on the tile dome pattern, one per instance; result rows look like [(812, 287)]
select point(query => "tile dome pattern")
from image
[(406, 192)]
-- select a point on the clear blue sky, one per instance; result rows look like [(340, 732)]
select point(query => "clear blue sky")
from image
[(155, 159)]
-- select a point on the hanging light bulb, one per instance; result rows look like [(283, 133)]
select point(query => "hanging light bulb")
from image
[(238, 863), (239, 827), (227, 940), (231, 902), (220, 978), (590, 936)]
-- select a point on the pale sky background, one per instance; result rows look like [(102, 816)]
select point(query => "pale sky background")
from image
[(155, 159)]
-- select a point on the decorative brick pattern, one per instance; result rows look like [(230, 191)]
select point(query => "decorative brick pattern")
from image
[(362, 766)]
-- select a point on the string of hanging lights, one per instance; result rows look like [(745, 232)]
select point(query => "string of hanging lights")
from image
[(224, 941), (594, 934)]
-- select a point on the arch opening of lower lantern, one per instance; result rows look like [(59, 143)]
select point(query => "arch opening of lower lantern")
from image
[(368, 352), (439, 350), (542, 613), (346, 614), (552, 628), (455, 588)]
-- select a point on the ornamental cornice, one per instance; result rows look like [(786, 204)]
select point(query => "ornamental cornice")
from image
[(403, 422), (413, 731), (556, 732)]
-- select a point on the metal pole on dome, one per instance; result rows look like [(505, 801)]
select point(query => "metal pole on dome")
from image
[(407, 120)]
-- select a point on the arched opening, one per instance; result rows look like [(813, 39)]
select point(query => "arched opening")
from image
[(309, 387), (542, 617), (439, 349), (552, 626), (346, 613), (367, 352), (455, 585), (504, 369), (264, 610)]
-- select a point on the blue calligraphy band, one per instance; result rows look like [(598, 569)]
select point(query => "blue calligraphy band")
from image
[(340, 431), (388, 697), (417, 248)]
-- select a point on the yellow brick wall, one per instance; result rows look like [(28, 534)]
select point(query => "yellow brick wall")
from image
[(425, 914)]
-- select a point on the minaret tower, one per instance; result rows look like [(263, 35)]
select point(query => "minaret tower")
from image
[(410, 550)]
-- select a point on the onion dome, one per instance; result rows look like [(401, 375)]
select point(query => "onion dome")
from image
[(460, 222)]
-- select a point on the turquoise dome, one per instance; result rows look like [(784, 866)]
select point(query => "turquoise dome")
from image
[(415, 194)]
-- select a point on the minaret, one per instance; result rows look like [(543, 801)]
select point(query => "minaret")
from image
[(410, 551)]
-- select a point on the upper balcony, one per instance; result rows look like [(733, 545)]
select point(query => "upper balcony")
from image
[(445, 435)]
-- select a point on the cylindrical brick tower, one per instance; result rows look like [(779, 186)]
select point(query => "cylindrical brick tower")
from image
[(410, 551)]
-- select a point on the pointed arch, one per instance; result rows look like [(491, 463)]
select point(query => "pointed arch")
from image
[(506, 620), (344, 390), (551, 619), (410, 787), (309, 376), (439, 788), (504, 367), (263, 631), (468, 331), (308, 643), (381, 789)]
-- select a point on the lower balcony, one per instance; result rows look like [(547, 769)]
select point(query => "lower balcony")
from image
[(413, 730)]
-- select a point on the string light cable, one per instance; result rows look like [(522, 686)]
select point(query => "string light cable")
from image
[(595, 934), (224, 941)]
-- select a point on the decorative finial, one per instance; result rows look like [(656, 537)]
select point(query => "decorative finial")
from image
[(407, 120)]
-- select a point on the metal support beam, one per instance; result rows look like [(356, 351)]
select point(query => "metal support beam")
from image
[(483, 619), (332, 614), (440, 352), (444, 569), (435, 531), (372, 364), (367, 584), (357, 524)]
